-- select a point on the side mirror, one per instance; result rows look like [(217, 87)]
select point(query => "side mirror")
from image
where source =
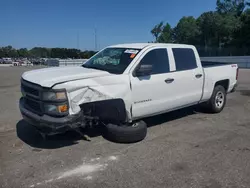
[(144, 70)]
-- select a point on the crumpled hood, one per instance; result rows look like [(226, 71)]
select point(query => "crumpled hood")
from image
[(47, 77)]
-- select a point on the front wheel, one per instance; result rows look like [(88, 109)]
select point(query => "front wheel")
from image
[(127, 133), (218, 100)]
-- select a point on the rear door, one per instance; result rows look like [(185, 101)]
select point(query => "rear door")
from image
[(188, 76)]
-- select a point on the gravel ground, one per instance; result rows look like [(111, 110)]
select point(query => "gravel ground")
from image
[(184, 148)]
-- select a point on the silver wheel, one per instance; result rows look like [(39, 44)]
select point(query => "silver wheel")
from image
[(219, 99)]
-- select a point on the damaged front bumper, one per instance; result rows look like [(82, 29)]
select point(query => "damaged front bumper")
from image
[(51, 125)]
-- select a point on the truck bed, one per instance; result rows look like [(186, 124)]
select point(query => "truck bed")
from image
[(206, 64), (215, 71)]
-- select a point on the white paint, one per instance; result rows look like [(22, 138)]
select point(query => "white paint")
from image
[(95, 159), (90, 85), (130, 51), (85, 170), (82, 170), (48, 181), (88, 178), (213, 74), (112, 158), (48, 77)]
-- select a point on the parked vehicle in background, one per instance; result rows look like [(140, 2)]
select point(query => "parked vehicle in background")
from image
[(6, 60), (37, 61), (121, 85), (22, 63), (52, 62)]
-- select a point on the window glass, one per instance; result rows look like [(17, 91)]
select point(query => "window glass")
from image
[(158, 58), (184, 59), (113, 60)]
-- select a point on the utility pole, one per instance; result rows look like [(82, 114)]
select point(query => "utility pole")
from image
[(77, 41), (95, 40)]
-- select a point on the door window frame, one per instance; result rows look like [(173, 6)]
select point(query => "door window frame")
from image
[(194, 58), (170, 60)]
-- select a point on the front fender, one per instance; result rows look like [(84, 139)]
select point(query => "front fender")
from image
[(98, 89)]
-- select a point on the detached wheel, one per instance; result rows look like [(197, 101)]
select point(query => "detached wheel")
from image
[(218, 100), (126, 134)]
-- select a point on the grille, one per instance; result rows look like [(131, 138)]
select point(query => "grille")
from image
[(33, 105), (30, 90), (32, 100)]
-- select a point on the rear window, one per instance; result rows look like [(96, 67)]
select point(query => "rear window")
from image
[(184, 59)]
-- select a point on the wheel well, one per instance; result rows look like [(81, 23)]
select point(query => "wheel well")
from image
[(224, 83), (110, 110)]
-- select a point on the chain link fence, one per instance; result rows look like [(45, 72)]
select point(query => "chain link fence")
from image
[(225, 51), (240, 56)]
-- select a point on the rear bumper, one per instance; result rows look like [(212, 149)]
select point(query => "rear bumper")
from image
[(234, 88), (51, 125)]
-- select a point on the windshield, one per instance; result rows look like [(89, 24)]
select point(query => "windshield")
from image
[(113, 60)]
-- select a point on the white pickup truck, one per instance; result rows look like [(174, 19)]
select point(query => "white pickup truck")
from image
[(121, 85)]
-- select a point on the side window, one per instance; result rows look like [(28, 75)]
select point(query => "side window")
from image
[(158, 58), (184, 59)]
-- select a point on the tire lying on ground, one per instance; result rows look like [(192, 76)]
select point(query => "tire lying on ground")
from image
[(218, 100), (126, 134)]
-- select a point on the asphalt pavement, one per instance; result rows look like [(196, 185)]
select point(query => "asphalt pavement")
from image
[(183, 149)]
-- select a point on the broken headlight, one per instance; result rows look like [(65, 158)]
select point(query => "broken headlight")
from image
[(54, 95), (56, 109), (55, 102)]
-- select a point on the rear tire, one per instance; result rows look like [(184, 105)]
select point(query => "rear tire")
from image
[(126, 134), (218, 100)]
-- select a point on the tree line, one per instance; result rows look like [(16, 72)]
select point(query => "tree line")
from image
[(41, 52), (225, 31)]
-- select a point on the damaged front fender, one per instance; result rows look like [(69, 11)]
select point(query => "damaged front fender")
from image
[(115, 90), (86, 95)]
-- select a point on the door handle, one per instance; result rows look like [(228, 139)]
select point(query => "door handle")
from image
[(198, 75), (169, 80)]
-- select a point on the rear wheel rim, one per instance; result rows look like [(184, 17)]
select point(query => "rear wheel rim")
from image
[(219, 99), (135, 124)]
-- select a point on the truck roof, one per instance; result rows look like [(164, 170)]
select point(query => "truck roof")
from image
[(143, 45)]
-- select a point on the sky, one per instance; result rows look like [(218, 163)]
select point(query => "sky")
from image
[(75, 23)]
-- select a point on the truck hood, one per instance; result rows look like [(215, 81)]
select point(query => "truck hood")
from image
[(47, 77)]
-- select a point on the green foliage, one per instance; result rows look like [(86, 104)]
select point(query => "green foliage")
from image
[(23, 52), (224, 31), (186, 31), (235, 7), (156, 31), (87, 54), (40, 52), (208, 25), (242, 34), (166, 35)]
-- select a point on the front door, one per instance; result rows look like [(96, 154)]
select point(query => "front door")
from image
[(152, 94)]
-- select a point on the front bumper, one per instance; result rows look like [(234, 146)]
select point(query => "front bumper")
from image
[(51, 125)]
